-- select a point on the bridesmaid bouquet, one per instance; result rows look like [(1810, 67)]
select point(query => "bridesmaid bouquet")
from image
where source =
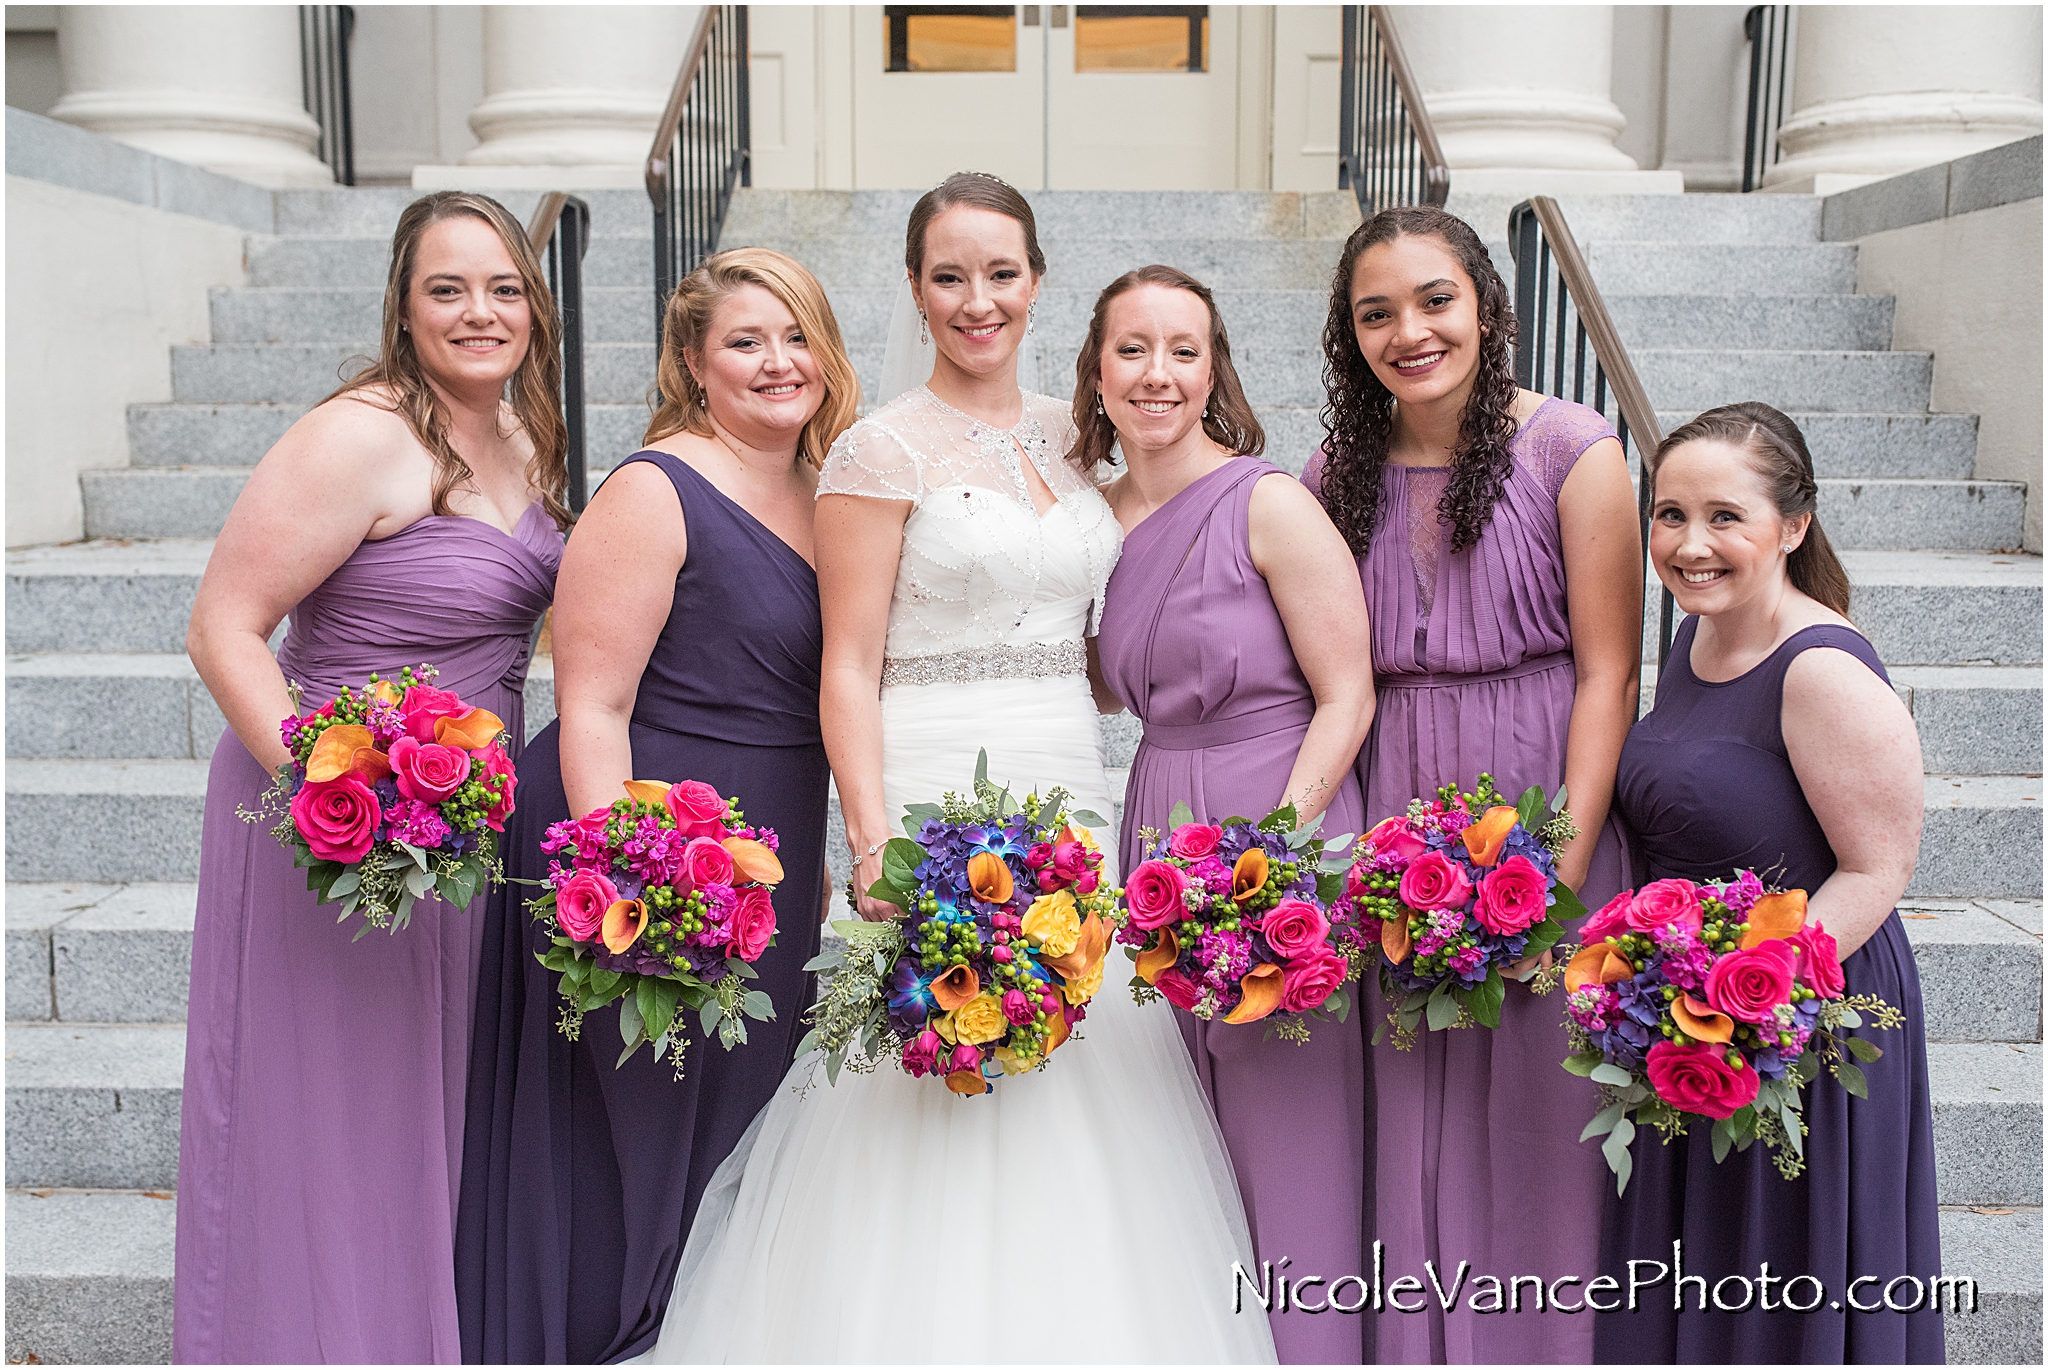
[(665, 898), (1711, 1001), (1459, 888), (395, 792), (1001, 947), (1227, 920)]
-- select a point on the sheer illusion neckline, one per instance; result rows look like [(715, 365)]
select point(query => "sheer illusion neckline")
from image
[(1520, 429), (1017, 451)]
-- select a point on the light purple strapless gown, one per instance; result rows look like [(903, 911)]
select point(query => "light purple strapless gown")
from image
[(1193, 645), (321, 1143), (1476, 1132)]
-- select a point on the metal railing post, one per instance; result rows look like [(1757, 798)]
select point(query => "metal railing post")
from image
[(702, 151), (1387, 150)]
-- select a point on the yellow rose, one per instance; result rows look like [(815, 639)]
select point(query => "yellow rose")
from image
[(943, 1025), (980, 1020), (1082, 990), (1053, 923), (1012, 1063)]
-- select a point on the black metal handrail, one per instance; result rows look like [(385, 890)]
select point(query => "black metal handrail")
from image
[(1769, 29), (1387, 150), (1564, 325), (324, 33), (702, 150), (560, 232)]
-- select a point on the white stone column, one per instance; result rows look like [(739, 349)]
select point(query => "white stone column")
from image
[(216, 85), (1881, 89), (570, 86), (1520, 97)]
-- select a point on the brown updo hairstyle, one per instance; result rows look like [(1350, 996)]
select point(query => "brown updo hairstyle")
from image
[(535, 390), (1358, 417), (1229, 422), (976, 190), (686, 323), (1778, 449)]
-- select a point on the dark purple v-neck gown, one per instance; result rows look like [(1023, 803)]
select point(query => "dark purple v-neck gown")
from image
[(1706, 788), (579, 1180)]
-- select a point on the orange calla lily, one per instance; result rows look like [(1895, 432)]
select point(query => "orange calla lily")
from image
[(1699, 1022), (649, 792), (343, 748), (1775, 916), (1056, 1032), (1248, 877), (1599, 964), (1483, 840), (966, 1082), (1160, 958), (753, 860), (624, 921), (1089, 949), (1261, 986), (472, 732), (956, 987), (989, 877), (386, 692), (1394, 939)]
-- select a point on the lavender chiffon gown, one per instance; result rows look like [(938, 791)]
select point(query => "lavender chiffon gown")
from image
[(1192, 643), (321, 1139), (1475, 1142), (1866, 1206)]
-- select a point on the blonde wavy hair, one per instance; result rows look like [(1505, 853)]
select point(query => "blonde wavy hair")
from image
[(535, 390), (687, 322)]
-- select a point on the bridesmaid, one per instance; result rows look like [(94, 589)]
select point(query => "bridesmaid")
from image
[(1769, 681), (687, 643), (1235, 628), (410, 517), (1496, 535)]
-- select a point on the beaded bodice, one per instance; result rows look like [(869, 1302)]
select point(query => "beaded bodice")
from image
[(980, 566)]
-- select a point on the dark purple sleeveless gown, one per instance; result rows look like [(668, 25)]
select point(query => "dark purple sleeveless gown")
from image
[(319, 1148), (579, 1180), (1192, 643), (1706, 789)]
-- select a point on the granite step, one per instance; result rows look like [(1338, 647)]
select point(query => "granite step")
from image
[(875, 261), (1757, 220), (365, 262), (1987, 1121), (1878, 445), (1861, 382), (1975, 720), (1980, 837), (1962, 515), (104, 820), (1829, 322), (372, 211), (94, 1106), (1692, 268), (89, 1278), (99, 953), (1934, 608), (354, 315), (237, 435), (1060, 214), (143, 705), (103, 596), (1998, 1247)]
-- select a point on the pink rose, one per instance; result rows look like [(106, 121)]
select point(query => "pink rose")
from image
[(1749, 985), (1514, 896), (1178, 989), (1665, 901), (496, 763), (581, 904), (1016, 1007), (965, 1057), (428, 771), (753, 923), (699, 810), (1193, 841), (1698, 1079), (705, 862), (1153, 893), (1393, 837), (1306, 982), (338, 818), (921, 1053), (1295, 927), (1434, 881), (1611, 921), (424, 706), (1819, 967)]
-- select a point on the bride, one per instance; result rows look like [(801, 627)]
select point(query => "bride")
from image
[(1085, 1212)]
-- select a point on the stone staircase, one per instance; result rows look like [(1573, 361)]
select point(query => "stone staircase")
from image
[(109, 729)]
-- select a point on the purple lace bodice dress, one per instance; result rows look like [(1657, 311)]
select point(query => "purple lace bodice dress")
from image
[(1476, 1132), (321, 1140), (1193, 644)]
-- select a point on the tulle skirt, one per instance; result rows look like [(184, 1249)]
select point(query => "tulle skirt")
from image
[(1084, 1212)]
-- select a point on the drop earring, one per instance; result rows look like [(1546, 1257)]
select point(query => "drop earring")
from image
[(923, 330), (1031, 319), (1098, 405)]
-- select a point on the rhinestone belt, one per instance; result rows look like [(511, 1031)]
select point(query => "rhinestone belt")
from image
[(1024, 661)]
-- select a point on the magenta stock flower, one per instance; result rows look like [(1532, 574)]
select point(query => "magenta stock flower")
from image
[(417, 823)]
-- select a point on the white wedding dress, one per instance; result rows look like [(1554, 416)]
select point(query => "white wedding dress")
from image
[(1083, 1212)]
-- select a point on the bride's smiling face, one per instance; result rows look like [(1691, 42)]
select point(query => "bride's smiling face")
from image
[(975, 288)]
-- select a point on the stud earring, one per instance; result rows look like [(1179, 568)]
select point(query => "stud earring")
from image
[(1205, 411), (923, 330), (1786, 549)]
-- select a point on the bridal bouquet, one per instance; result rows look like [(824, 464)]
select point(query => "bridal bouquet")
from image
[(394, 793), (1225, 920), (1459, 888), (665, 898), (1006, 922), (1711, 1001)]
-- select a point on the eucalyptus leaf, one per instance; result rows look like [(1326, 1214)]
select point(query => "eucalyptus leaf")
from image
[(981, 768), (1088, 817), (1724, 1138), (1557, 800), (1862, 1050), (630, 1030), (741, 968), (1180, 816), (1852, 1080), (345, 883), (418, 854), (709, 1015), (1582, 1064), (1608, 1073), (1603, 1122), (758, 1005), (626, 1055), (1615, 1149), (1849, 1017), (808, 1043), (826, 960), (1443, 1011)]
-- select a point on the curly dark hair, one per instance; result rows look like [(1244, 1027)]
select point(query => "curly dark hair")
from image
[(1358, 419)]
